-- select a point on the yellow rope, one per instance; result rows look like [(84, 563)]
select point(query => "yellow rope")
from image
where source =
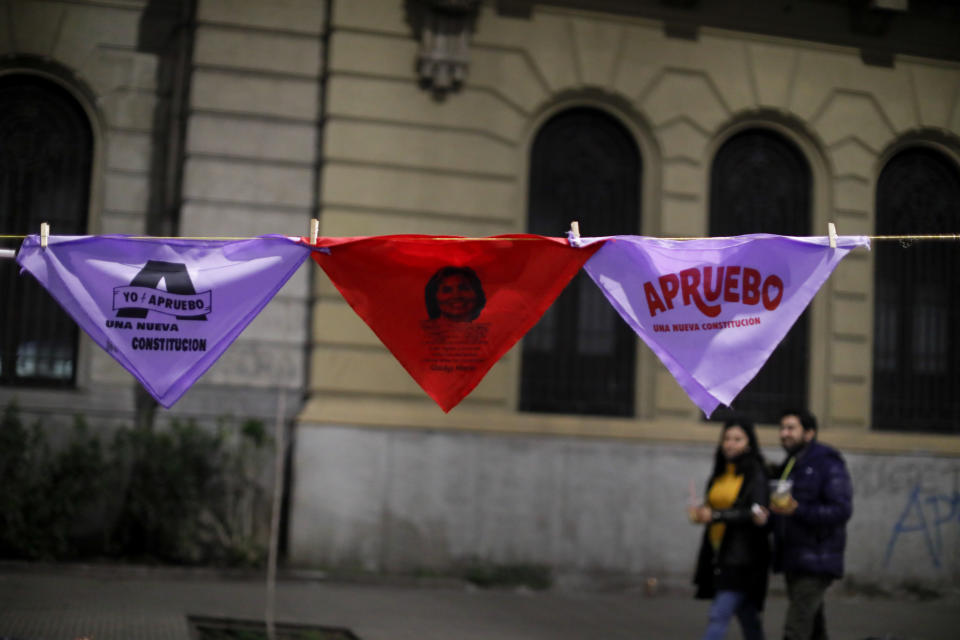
[(22, 237), (945, 236)]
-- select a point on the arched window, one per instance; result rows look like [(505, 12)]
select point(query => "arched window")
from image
[(46, 153), (761, 183), (916, 349), (579, 358)]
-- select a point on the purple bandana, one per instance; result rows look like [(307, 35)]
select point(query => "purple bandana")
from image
[(713, 310), (164, 309)]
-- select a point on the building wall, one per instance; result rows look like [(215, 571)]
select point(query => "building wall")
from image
[(399, 160), (91, 49), (597, 511), (247, 165), (376, 464), (250, 169)]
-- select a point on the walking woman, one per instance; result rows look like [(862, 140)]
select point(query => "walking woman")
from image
[(735, 553)]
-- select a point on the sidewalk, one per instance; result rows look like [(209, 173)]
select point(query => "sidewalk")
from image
[(123, 603)]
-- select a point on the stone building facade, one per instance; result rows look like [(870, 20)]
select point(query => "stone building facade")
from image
[(242, 117)]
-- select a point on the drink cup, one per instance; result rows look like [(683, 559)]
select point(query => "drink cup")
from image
[(780, 493)]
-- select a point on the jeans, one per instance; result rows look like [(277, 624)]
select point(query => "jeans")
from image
[(727, 603), (805, 618)]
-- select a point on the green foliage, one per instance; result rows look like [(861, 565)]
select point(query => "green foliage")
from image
[(532, 576), (168, 478), (240, 518), (44, 493), (192, 495), (184, 494)]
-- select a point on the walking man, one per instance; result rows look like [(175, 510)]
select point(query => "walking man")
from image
[(810, 523)]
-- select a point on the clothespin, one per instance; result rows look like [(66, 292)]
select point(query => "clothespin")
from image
[(44, 234), (574, 230), (314, 230), (832, 232)]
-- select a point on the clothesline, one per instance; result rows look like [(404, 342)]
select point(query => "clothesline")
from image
[(943, 236), (903, 239), (446, 308)]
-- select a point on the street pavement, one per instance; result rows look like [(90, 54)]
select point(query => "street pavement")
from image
[(65, 602)]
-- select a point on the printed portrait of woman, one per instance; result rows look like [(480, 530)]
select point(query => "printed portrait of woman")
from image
[(456, 294)]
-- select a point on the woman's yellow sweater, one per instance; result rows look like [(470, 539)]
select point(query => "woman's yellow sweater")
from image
[(723, 493)]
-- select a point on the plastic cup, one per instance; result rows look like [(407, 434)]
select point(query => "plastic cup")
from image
[(780, 493)]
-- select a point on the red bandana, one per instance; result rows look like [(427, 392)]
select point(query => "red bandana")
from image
[(448, 308)]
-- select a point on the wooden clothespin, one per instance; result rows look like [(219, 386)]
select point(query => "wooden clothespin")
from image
[(832, 232), (314, 230), (574, 230), (44, 234)]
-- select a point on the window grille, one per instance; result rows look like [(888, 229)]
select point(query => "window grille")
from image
[(579, 358), (916, 349), (761, 183), (46, 155)]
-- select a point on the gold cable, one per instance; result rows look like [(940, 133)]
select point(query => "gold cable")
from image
[(945, 236)]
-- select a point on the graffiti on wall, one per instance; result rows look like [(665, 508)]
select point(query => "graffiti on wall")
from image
[(928, 514)]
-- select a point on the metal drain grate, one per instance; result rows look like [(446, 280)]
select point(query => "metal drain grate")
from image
[(207, 628)]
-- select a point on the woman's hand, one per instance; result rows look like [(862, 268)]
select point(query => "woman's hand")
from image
[(701, 514), (760, 515)]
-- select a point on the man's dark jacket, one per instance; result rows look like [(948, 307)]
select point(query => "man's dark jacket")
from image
[(812, 539)]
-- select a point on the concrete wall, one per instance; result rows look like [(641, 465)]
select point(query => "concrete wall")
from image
[(906, 525), (406, 500), (604, 511)]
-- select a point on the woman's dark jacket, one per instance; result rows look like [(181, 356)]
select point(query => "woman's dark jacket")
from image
[(742, 561), (812, 539)]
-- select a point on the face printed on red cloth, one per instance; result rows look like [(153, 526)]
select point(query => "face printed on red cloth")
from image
[(455, 293), (480, 294)]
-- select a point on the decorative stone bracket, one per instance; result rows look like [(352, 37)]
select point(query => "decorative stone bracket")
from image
[(444, 31)]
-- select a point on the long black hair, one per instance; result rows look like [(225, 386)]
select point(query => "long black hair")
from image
[(752, 453)]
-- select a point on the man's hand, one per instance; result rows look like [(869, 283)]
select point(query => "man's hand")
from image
[(786, 509)]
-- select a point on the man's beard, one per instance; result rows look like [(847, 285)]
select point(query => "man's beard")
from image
[(795, 449)]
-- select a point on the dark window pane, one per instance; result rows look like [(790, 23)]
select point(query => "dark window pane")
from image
[(579, 358), (46, 150), (760, 183), (916, 350)]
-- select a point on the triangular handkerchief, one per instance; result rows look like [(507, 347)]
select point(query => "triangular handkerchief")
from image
[(713, 310), (448, 308), (164, 309)]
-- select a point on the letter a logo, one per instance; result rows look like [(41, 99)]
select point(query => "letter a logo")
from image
[(176, 277)]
